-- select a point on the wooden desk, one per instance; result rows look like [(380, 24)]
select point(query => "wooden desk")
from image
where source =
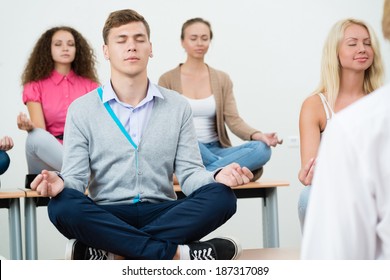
[(266, 189), (10, 199)]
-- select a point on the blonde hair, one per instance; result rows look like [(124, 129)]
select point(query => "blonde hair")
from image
[(331, 68), (386, 20)]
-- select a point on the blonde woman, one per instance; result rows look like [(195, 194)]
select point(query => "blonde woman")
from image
[(357, 225), (351, 68)]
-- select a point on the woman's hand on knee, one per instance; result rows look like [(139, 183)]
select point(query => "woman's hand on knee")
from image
[(6, 143), (306, 173), (24, 123), (271, 139)]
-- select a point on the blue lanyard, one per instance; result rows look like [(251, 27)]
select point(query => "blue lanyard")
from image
[(124, 131), (116, 120)]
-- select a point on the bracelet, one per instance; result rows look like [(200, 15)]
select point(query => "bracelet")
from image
[(59, 175)]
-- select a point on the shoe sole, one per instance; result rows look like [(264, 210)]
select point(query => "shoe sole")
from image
[(69, 249)]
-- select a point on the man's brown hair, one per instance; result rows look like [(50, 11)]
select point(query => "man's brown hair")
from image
[(122, 17)]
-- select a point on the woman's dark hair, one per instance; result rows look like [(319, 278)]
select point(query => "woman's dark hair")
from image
[(41, 64)]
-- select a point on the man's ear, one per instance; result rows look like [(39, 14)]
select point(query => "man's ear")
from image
[(105, 52)]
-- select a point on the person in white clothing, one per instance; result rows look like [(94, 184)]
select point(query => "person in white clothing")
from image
[(351, 68), (353, 175)]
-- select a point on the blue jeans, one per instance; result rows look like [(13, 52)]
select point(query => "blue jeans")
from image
[(4, 162), (252, 154), (142, 230), (302, 205)]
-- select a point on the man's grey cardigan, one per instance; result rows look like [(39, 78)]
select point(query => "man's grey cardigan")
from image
[(99, 156)]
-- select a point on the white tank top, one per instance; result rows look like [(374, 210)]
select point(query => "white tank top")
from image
[(328, 110), (204, 111)]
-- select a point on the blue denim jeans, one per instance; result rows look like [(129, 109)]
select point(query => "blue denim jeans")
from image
[(252, 154), (302, 205), (4, 162)]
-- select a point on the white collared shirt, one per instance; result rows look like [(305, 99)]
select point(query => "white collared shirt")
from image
[(134, 119)]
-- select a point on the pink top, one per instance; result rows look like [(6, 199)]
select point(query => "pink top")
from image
[(55, 94)]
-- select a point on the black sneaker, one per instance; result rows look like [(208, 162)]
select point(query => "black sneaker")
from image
[(75, 250), (221, 248)]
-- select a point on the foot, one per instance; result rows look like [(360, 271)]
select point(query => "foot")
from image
[(221, 248), (257, 174), (75, 250)]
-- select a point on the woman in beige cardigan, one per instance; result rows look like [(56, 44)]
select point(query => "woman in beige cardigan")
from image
[(210, 94)]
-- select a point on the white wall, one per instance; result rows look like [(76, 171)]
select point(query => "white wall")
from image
[(271, 50)]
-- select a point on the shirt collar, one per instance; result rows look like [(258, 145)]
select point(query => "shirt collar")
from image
[(58, 78), (109, 94)]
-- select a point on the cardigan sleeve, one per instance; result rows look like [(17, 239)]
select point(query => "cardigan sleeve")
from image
[(76, 167), (230, 112)]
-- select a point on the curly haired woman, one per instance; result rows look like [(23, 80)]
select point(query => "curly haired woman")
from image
[(60, 69)]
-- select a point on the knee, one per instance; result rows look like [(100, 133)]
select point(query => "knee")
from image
[(226, 196), (263, 150), (65, 206), (34, 138), (222, 198), (4, 162), (34, 134)]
